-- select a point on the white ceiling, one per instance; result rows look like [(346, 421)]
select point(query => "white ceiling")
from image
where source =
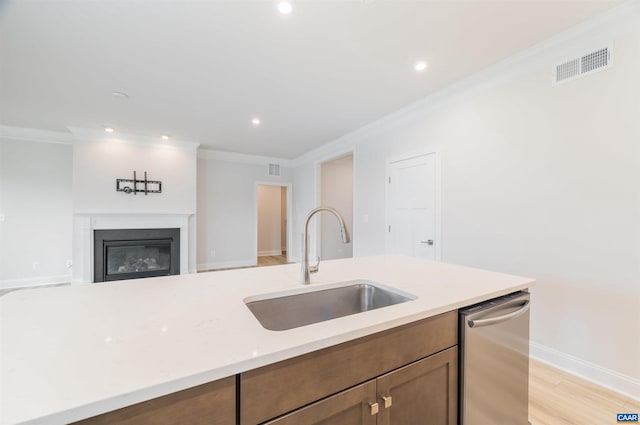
[(201, 70)]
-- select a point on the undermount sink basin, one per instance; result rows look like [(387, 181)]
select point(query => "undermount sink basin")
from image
[(279, 313)]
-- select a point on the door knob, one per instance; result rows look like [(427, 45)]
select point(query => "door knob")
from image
[(427, 242)]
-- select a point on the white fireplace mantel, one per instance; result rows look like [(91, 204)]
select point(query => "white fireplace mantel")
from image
[(85, 224)]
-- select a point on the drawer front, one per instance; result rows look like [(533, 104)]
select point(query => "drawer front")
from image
[(350, 407), (273, 390), (211, 404)]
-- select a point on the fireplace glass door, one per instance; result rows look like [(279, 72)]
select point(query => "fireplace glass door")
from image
[(153, 258), (136, 253)]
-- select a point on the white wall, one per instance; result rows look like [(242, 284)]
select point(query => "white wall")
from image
[(98, 161), (35, 201), (304, 200), (538, 181), (337, 192), (283, 218), (269, 220), (97, 165), (227, 211)]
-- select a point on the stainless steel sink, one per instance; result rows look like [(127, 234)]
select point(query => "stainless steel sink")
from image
[(280, 313)]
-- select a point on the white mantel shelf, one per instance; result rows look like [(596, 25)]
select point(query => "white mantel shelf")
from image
[(70, 353)]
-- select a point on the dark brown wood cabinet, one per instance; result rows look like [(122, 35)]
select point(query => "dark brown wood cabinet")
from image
[(271, 391), (402, 376), (213, 403), (351, 407), (424, 392)]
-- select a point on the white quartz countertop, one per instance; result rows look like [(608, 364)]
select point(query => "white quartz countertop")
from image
[(69, 353)]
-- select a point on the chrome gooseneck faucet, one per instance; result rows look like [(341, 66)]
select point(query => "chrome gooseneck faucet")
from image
[(306, 268)]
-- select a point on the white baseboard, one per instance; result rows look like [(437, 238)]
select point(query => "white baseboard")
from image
[(592, 372), (34, 281), (269, 253), (84, 282), (226, 264)]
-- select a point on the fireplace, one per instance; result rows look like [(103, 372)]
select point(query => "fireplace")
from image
[(135, 253)]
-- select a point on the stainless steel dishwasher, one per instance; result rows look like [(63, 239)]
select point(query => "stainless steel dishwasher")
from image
[(494, 362)]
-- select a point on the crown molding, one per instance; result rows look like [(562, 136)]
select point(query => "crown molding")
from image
[(83, 135), (619, 21), (241, 158), (35, 135)]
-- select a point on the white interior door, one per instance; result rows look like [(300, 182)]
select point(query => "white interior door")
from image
[(411, 207)]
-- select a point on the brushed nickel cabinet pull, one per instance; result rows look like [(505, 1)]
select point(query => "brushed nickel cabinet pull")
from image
[(388, 401), (375, 408)]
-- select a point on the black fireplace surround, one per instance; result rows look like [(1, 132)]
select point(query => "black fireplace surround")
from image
[(135, 253)]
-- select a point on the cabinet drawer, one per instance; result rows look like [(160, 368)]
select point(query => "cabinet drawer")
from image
[(273, 390), (211, 404), (350, 407)]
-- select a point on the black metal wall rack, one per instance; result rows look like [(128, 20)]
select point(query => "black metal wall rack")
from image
[(134, 185)]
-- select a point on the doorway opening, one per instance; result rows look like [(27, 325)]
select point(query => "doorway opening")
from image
[(336, 190), (273, 234)]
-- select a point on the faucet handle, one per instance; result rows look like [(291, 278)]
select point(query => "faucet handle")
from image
[(314, 268)]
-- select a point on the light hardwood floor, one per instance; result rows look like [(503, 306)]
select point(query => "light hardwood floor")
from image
[(272, 260), (559, 398)]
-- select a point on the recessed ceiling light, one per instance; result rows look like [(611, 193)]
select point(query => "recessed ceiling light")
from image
[(255, 121), (109, 129), (420, 66), (164, 137), (120, 95), (285, 7)]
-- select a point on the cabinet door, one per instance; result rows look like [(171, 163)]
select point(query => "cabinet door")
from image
[(422, 393), (276, 389), (350, 407), (209, 404)]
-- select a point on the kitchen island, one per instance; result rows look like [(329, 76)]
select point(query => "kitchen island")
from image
[(71, 353)]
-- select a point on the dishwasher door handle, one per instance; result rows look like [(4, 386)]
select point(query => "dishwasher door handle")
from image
[(499, 319)]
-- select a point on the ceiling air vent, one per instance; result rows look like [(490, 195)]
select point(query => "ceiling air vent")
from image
[(581, 66), (274, 169)]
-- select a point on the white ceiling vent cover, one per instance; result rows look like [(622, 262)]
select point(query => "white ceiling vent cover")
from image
[(274, 169), (579, 67)]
